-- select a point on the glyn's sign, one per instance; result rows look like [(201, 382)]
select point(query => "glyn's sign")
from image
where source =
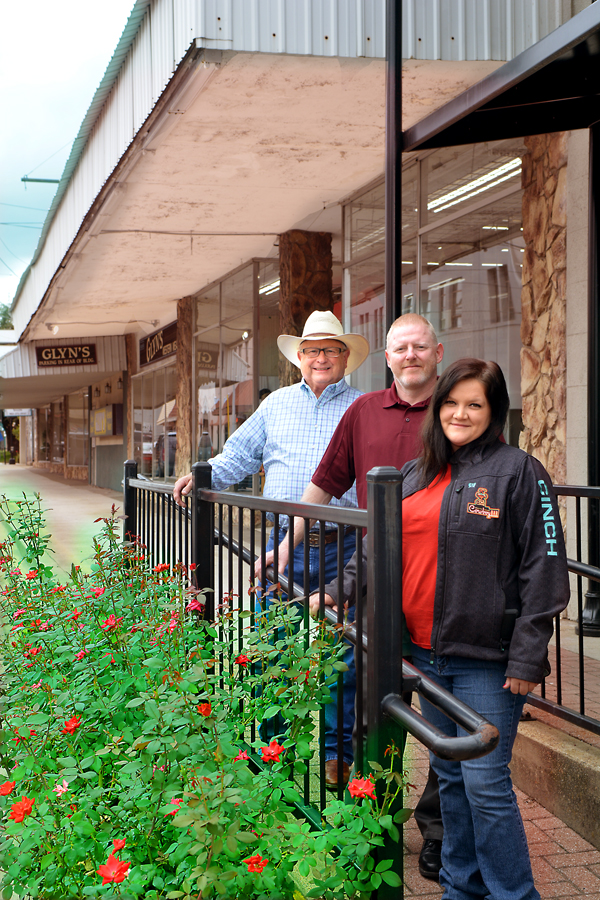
[(66, 355)]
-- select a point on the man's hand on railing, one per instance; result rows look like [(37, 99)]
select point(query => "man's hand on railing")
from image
[(313, 604), (282, 560), (182, 488)]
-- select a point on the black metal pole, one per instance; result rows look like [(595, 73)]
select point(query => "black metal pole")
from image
[(393, 164), (129, 500), (591, 611), (384, 630), (203, 553)]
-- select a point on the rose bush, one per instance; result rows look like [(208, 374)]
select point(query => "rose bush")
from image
[(131, 765)]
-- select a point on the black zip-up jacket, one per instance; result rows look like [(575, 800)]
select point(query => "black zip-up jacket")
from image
[(502, 571)]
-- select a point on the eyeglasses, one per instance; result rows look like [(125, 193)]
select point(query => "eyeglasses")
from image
[(330, 352)]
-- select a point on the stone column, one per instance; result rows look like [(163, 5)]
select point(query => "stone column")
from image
[(543, 299), (185, 392), (305, 269)]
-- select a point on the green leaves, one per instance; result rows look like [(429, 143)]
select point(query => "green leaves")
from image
[(147, 738)]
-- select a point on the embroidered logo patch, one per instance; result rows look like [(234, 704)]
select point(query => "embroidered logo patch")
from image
[(480, 507)]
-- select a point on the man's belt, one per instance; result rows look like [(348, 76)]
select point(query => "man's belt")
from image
[(330, 536)]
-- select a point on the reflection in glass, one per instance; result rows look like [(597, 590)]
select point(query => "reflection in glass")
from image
[(58, 434), (77, 430), (366, 291), (44, 434), (155, 422)]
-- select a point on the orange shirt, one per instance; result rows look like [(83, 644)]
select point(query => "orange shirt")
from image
[(420, 520)]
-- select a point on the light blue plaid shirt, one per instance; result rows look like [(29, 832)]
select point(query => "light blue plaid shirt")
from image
[(288, 434)]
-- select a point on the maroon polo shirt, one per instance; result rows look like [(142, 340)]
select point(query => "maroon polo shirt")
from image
[(378, 429)]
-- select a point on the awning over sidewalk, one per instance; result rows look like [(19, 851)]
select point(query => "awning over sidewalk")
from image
[(552, 86), (41, 371)]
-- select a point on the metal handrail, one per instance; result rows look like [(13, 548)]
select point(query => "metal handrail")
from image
[(482, 736)]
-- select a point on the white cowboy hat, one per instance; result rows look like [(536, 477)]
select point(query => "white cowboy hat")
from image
[(323, 324)]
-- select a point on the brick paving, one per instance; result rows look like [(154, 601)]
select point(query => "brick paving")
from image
[(564, 865)]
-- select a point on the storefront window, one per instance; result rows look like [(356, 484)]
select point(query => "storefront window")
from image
[(58, 433), (44, 434), (462, 250), (471, 251), (78, 429), (154, 422), (364, 281)]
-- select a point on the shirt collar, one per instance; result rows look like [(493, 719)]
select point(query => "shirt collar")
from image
[(391, 398), (331, 391)]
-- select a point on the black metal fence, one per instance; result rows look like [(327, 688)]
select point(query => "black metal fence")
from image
[(220, 535)]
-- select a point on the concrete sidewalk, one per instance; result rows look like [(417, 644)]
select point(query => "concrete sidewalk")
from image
[(72, 507)]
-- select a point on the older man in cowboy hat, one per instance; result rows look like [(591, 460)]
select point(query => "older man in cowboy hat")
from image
[(288, 434)]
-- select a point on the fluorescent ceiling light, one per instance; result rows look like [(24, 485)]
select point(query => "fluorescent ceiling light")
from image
[(407, 262), (492, 265), (269, 288), (447, 283), (494, 227), (458, 264), (477, 186)]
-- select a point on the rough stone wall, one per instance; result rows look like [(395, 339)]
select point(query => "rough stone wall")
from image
[(185, 411), (543, 300), (305, 270)]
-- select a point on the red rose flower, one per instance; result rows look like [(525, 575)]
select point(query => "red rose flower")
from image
[(204, 709), (7, 788), (31, 574), (71, 725), (242, 660), (114, 870), (119, 843), (361, 787), (21, 809), (256, 863), (98, 591), (161, 567), (272, 752), (241, 755), (111, 623)]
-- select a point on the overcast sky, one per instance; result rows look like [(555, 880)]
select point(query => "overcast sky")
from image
[(52, 58)]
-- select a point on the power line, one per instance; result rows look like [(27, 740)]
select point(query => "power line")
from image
[(50, 157), (32, 208), (9, 268), (11, 252)]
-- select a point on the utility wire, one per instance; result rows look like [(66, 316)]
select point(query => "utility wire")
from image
[(50, 157), (9, 268), (32, 208), (11, 252)]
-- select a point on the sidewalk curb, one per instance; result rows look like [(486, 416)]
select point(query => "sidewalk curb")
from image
[(562, 773)]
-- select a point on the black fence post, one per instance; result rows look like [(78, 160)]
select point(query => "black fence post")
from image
[(203, 536), (129, 500), (384, 630)]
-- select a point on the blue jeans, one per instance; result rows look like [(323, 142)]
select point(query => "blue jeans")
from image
[(484, 850), (349, 691)]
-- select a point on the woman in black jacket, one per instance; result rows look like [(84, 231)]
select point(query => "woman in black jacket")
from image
[(484, 573)]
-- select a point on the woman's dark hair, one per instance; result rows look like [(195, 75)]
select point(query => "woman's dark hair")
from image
[(437, 449)]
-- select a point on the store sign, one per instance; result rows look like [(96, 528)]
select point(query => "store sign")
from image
[(101, 421), (11, 413), (69, 355), (207, 359), (159, 345)]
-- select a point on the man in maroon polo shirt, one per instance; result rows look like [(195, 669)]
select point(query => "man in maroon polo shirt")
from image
[(383, 428)]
